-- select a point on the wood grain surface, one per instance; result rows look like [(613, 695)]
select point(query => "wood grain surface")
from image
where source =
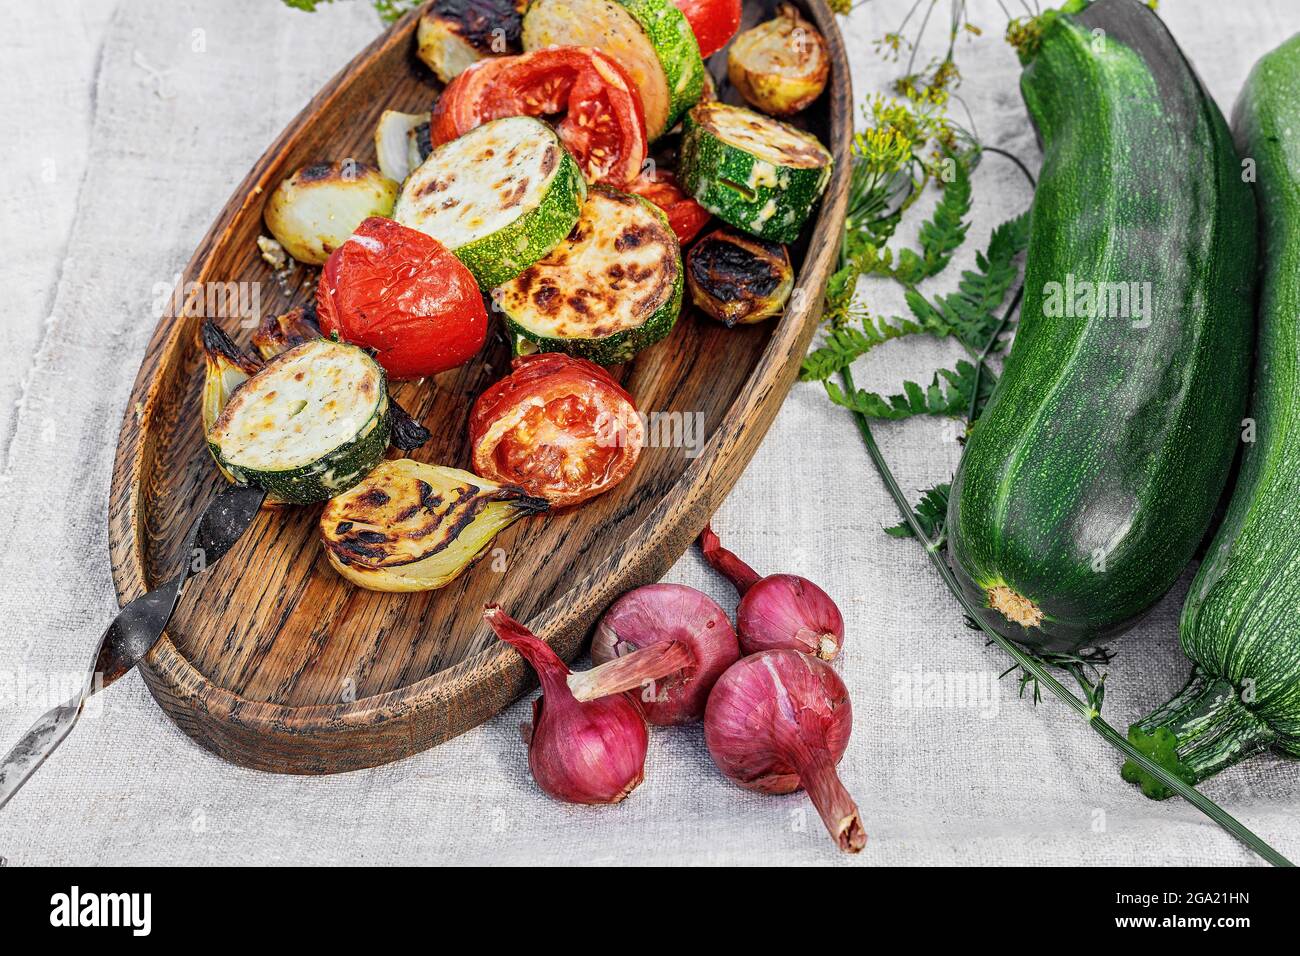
[(275, 662)]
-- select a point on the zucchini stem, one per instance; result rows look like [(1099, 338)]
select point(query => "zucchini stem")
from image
[(1205, 728), (1032, 665)]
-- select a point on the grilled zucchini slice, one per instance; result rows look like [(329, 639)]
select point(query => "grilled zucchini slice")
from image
[(409, 526), (751, 171), (650, 39), (611, 288), (309, 425), (500, 197), (279, 333), (453, 35)]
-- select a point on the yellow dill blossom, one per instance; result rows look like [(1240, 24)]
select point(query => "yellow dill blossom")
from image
[(946, 75), (1024, 35), (842, 7), (890, 45), (885, 149)]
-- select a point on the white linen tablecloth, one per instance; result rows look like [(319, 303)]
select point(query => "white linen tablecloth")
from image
[(127, 125)]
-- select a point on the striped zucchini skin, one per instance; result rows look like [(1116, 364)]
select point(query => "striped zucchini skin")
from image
[(679, 55), (1240, 625), (779, 198), (332, 473), (620, 345), (503, 255), (1092, 476)]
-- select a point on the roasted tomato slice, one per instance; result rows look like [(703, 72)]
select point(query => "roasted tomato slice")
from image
[(403, 294), (559, 427), (685, 215), (589, 97), (713, 22)]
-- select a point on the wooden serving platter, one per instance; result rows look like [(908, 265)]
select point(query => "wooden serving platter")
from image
[(275, 662)]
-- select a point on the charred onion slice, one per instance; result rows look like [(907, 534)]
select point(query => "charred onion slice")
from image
[(279, 333), (225, 367), (557, 426), (779, 66), (399, 143), (455, 34), (738, 279), (409, 526)]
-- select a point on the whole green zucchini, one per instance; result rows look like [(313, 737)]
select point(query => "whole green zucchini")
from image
[(1093, 473), (1241, 622)]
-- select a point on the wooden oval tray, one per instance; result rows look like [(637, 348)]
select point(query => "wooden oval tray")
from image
[(275, 662)]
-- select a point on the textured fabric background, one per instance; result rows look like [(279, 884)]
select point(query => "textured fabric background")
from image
[(126, 126)]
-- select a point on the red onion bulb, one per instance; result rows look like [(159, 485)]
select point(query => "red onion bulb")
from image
[(780, 610), (580, 751), (780, 720), (653, 616)]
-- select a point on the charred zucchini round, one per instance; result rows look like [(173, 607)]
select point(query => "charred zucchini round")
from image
[(500, 197), (610, 289), (309, 425), (409, 526), (751, 171), (738, 279)]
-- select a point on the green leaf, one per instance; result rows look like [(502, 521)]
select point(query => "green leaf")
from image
[(942, 234), (949, 393), (931, 511), (388, 10), (969, 314), (845, 345)]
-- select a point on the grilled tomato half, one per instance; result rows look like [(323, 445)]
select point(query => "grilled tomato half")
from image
[(404, 295), (590, 98), (557, 426)]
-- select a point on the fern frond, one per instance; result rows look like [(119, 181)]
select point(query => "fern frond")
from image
[(969, 314), (843, 346), (931, 512), (949, 393), (942, 233)]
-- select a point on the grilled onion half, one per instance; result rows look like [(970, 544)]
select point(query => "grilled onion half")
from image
[(409, 526)]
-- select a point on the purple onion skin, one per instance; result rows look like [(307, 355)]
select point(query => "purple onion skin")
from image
[(785, 610), (579, 752), (591, 753), (670, 612), (779, 721)]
